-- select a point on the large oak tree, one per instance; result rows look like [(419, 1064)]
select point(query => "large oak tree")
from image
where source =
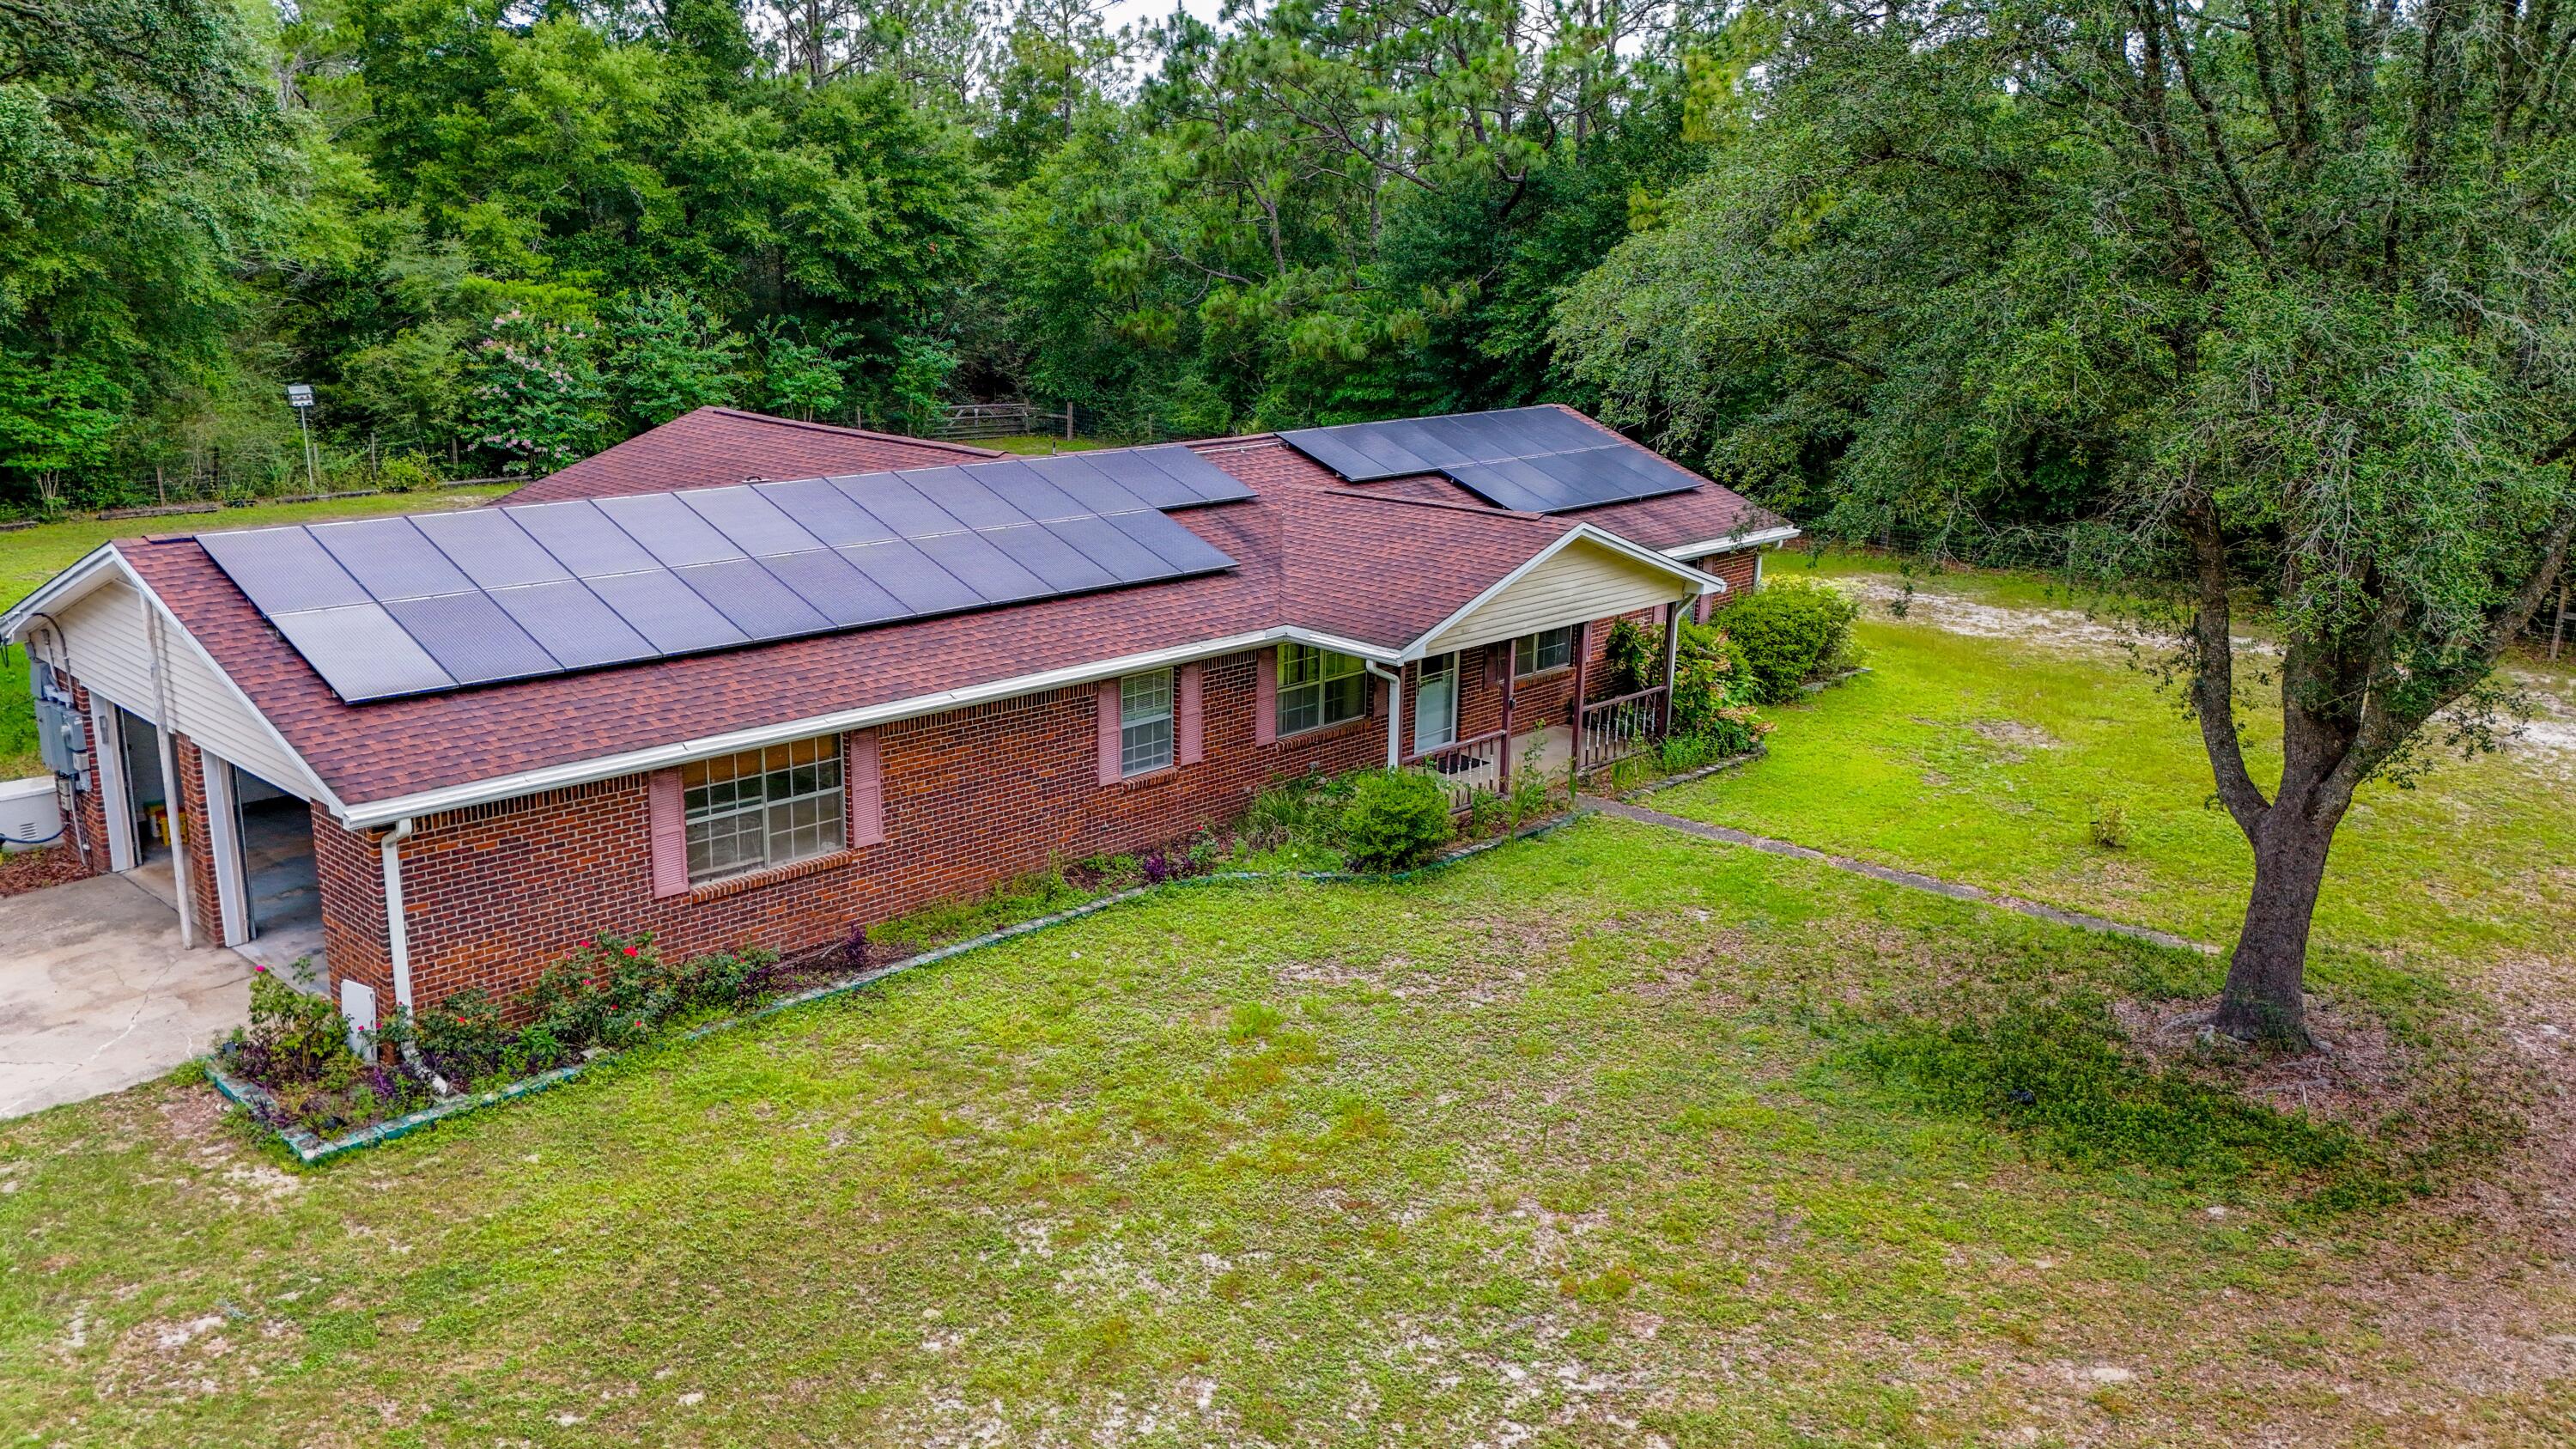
[(2279, 289)]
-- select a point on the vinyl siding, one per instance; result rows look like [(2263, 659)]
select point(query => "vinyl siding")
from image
[(111, 653), (1581, 581)]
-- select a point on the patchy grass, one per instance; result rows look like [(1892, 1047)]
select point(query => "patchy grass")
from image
[(30, 556), (1995, 760), (1567, 1144), (1040, 444)]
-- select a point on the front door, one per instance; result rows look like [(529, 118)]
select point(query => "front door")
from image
[(1435, 704)]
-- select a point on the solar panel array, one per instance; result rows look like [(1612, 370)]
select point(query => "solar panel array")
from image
[(1532, 460), (387, 607)]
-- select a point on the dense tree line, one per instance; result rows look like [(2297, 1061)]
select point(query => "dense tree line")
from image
[(495, 235)]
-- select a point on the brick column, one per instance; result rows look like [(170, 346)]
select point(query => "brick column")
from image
[(189, 790), (351, 872)]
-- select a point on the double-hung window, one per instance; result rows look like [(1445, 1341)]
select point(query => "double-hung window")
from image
[(764, 807), (1545, 650), (1144, 722), (1318, 687)]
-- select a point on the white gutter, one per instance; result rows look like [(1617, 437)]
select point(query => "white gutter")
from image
[(370, 814), (397, 933), (1734, 541)]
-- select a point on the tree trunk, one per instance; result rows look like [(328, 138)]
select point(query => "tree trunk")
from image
[(2264, 1000)]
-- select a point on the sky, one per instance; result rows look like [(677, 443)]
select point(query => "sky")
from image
[(1144, 12)]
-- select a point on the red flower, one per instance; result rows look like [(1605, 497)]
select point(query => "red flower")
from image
[(630, 950)]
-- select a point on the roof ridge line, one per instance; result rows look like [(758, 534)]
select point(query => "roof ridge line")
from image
[(835, 428)]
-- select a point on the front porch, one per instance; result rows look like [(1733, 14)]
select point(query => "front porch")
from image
[(1547, 723)]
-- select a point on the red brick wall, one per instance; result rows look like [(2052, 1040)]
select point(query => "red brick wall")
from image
[(973, 797), (199, 878), (89, 842), (1740, 570), (351, 873)]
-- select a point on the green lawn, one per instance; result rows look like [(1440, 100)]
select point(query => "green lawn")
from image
[(1607, 1137), (1986, 759), (1580, 1139), (30, 556)]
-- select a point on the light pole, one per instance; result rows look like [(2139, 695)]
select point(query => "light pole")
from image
[(299, 396)]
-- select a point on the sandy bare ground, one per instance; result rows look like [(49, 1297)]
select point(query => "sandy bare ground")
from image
[(2547, 736)]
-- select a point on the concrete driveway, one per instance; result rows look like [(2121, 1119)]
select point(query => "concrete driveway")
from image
[(97, 994)]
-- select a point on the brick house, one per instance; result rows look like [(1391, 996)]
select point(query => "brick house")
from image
[(783, 787)]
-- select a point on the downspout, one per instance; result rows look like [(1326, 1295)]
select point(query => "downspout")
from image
[(1394, 712), (397, 934)]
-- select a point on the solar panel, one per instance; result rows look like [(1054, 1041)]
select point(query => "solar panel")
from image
[(397, 606), (362, 651), (1531, 460), (390, 559)]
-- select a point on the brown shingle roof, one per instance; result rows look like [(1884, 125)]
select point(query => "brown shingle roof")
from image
[(1377, 570), (715, 447)]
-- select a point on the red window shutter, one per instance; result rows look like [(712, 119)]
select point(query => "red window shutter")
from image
[(1379, 692), (1265, 696), (1498, 664), (670, 833), (867, 791), (1109, 732), (1193, 690)]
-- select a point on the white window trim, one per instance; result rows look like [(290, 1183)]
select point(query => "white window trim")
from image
[(839, 756), (1168, 718), (1280, 687)]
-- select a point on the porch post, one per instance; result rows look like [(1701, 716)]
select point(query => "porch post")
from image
[(1395, 719), (1582, 660), (1672, 662), (1511, 668)]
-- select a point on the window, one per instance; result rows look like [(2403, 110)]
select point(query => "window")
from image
[(764, 807), (1318, 687), (1144, 722), (1545, 650)]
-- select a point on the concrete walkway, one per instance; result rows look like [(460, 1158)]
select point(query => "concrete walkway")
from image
[(97, 994), (1893, 876)]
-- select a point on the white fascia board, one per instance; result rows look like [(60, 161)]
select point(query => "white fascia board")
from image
[(370, 814), (1735, 541), (1699, 583), (95, 568)]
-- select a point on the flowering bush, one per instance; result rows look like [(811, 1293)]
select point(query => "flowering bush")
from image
[(1714, 694), (296, 1046), (612, 991)]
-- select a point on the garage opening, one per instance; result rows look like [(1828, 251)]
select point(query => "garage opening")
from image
[(281, 893), (147, 802)]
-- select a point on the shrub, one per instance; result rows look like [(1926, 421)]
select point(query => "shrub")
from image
[(1714, 694), (405, 473), (1629, 657), (292, 1037), (1303, 810), (1395, 819), (2110, 825), (462, 1038), (1790, 631)]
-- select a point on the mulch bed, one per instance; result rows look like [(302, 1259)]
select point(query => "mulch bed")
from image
[(27, 870)]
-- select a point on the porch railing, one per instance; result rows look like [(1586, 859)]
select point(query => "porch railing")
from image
[(1614, 729), (1469, 766)]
